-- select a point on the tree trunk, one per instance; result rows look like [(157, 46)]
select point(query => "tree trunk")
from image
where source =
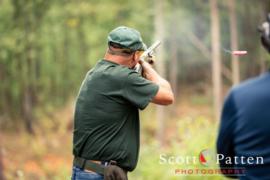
[(173, 69), (234, 42), (29, 75), (173, 60), (216, 58), (83, 44), (28, 111), (3, 108), (159, 35), (2, 177)]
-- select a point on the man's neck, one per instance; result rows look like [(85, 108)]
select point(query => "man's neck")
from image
[(116, 59)]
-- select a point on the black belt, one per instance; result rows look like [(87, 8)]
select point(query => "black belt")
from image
[(96, 166)]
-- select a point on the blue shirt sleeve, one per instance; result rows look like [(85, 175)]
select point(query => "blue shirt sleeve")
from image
[(225, 144)]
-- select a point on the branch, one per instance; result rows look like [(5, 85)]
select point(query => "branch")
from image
[(206, 52)]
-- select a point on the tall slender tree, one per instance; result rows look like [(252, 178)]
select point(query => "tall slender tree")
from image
[(2, 176), (173, 63), (27, 19), (216, 57), (159, 35), (234, 41)]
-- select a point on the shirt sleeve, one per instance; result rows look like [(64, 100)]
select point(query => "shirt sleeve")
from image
[(138, 90), (225, 145)]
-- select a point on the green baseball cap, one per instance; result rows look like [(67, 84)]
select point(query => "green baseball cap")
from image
[(127, 37)]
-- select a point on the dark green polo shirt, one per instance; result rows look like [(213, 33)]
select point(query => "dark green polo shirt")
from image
[(106, 124)]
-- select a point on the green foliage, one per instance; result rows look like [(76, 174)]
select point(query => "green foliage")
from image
[(48, 46), (193, 136)]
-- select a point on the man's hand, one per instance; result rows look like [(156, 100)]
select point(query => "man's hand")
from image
[(151, 60), (164, 95), (265, 33), (113, 172), (147, 70)]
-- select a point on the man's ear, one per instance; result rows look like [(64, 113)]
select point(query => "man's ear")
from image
[(132, 59), (137, 55)]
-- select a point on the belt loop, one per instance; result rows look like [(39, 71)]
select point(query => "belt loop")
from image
[(105, 163), (83, 163)]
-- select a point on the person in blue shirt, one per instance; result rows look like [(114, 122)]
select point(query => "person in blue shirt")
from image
[(243, 141)]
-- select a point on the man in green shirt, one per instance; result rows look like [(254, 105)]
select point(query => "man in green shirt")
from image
[(106, 123)]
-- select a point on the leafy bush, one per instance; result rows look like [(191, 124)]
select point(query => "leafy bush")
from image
[(195, 135)]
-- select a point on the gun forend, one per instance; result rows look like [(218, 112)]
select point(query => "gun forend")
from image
[(149, 51)]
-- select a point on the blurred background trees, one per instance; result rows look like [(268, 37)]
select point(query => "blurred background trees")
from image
[(47, 47)]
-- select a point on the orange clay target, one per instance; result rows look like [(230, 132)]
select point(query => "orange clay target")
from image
[(236, 53)]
